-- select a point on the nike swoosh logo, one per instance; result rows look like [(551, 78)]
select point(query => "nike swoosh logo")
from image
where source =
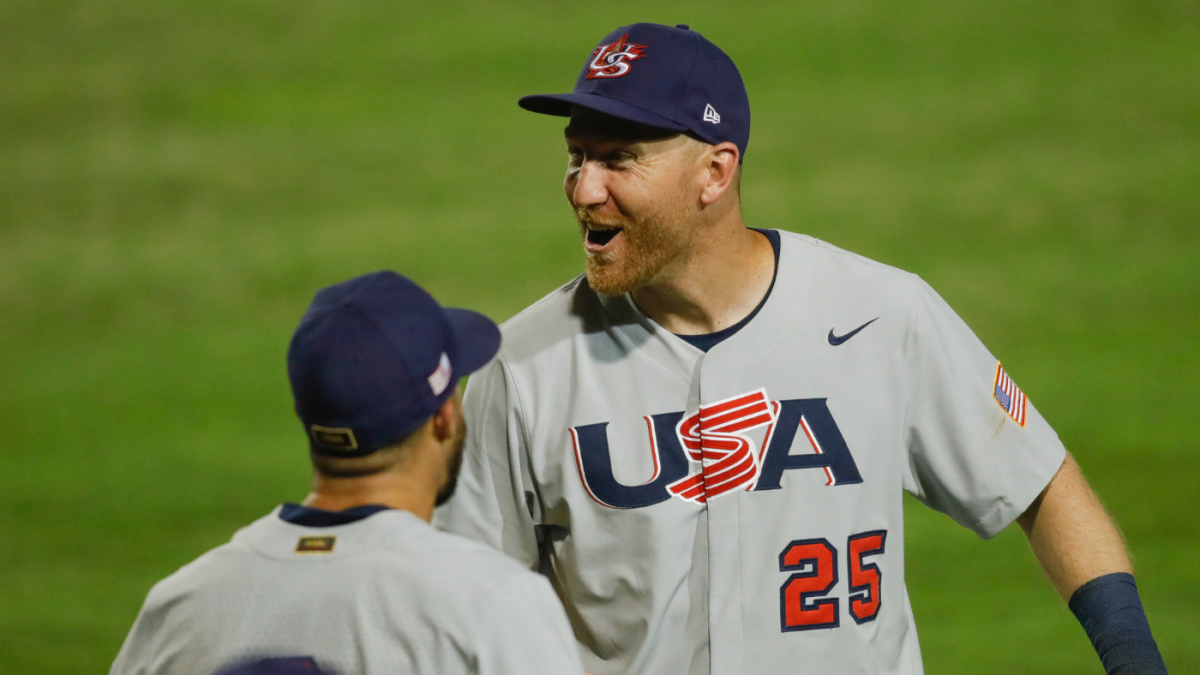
[(836, 340)]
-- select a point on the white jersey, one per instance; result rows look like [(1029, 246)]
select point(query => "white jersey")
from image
[(385, 594), (740, 510)]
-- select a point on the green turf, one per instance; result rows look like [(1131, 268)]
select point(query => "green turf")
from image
[(177, 179)]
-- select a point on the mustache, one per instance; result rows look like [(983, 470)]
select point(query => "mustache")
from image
[(590, 215)]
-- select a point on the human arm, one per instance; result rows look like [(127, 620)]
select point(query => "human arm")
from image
[(1083, 553), (1071, 534), (985, 462)]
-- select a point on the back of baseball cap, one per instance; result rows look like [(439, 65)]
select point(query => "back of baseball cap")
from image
[(662, 76), (375, 357)]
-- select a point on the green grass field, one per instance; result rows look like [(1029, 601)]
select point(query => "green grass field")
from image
[(177, 179)]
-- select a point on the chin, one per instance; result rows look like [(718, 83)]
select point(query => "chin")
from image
[(612, 282), (613, 278)]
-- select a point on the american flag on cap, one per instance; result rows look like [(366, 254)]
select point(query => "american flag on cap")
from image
[(440, 378), (1009, 396)]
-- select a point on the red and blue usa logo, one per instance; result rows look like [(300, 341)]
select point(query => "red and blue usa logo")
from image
[(612, 60), (711, 453), (714, 437)]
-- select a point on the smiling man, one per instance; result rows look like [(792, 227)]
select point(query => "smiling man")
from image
[(704, 440)]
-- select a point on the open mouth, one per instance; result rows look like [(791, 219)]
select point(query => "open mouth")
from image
[(602, 237)]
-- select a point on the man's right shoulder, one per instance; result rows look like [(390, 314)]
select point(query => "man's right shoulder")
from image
[(567, 312)]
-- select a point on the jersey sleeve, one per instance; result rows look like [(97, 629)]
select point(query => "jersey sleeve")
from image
[(494, 499), (143, 640), (525, 632), (969, 456)]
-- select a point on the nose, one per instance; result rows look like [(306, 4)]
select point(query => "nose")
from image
[(585, 186)]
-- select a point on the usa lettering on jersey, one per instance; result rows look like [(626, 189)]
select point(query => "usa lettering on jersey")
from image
[(714, 437), (714, 441)]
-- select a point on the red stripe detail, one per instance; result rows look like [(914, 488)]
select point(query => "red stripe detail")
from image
[(735, 402), (817, 448), (653, 449)]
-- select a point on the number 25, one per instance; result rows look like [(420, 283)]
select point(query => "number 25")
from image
[(814, 567)]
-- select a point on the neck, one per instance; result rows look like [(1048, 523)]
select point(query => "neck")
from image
[(387, 488), (724, 276)]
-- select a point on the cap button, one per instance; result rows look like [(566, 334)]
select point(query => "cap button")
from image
[(682, 25)]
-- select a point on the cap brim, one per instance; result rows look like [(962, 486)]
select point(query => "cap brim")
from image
[(559, 105), (477, 339)]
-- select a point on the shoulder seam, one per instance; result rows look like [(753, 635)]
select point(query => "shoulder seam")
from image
[(544, 299), (510, 377), (834, 249)]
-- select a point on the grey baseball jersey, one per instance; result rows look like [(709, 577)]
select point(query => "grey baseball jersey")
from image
[(385, 594), (740, 510)]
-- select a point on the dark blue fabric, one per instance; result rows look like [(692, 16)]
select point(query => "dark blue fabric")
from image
[(1111, 613), (663, 76), (707, 341), (307, 516), (375, 357), (296, 665)]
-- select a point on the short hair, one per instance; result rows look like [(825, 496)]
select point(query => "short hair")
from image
[(379, 461)]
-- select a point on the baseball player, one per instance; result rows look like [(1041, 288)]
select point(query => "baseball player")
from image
[(355, 580), (704, 440)]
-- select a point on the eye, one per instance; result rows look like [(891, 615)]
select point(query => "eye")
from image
[(620, 158), (574, 158)]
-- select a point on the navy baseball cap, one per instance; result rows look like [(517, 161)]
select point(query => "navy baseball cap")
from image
[(375, 357), (662, 76)]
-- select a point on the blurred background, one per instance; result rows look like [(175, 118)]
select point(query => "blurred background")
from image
[(177, 180)]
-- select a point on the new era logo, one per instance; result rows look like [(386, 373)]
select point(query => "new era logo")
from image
[(440, 379), (711, 115)]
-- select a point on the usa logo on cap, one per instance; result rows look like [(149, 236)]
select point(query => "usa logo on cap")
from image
[(612, 60)]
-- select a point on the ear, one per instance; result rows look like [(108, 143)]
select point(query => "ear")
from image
[(445, 420), (721, 164)]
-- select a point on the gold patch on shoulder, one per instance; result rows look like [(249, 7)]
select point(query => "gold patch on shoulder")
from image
[(315, 545), (334, 438)]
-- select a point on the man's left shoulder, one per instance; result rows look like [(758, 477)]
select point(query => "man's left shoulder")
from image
[(831, 270)]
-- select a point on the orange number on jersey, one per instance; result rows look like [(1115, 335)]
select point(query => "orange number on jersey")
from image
[(815, 562), (865, 579)]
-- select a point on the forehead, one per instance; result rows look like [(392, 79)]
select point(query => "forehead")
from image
[(597, 126)]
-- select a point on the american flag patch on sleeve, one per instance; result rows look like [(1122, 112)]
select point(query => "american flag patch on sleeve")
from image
[(1009, 396)]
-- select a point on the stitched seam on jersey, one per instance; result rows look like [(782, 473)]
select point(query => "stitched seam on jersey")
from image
[(546, 298), (906, 430), (657, 332), (510, 377), (1004, 503)]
